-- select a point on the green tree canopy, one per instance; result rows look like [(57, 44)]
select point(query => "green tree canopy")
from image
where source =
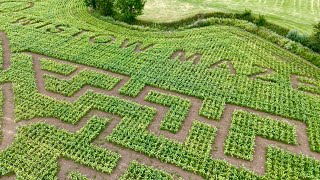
[(129, 9)]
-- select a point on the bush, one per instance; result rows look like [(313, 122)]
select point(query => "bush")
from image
[(247, 15), (129, 9), (261, 21), (294, 35)]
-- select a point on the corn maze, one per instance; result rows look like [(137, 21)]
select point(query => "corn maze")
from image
[(83, 98)]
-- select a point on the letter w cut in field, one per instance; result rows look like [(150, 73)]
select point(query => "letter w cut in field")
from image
[(126, 43), (183, 57)]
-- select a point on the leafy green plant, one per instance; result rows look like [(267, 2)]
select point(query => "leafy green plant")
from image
[(1, 112), (37, 147)]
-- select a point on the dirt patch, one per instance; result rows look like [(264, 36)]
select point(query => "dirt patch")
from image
[(6, 51)]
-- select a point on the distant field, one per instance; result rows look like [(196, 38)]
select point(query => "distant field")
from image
[(294, 14)]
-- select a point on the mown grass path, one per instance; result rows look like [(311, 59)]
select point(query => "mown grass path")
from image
[(293, 14)]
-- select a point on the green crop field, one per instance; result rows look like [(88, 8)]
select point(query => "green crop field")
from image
[(293, 14), (87, 98)]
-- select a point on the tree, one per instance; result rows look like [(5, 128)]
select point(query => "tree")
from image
[(90, 3), (316, 29), (129, 9), (105, 7), (315, 38), (295, 35)]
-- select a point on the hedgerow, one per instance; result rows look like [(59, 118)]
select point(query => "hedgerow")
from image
[(246, 126), (141, 171), (178, 110), (60, 68)]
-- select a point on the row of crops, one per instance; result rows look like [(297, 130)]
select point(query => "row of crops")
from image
[(141, 171), (1, 54), (59, 68), (85, 77), (189, 157), (178, 110), (244, 129), (135, 171), (37, 147), (193, 155)]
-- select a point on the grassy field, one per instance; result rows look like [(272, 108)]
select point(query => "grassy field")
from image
[(83, 98), (293, 14)]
